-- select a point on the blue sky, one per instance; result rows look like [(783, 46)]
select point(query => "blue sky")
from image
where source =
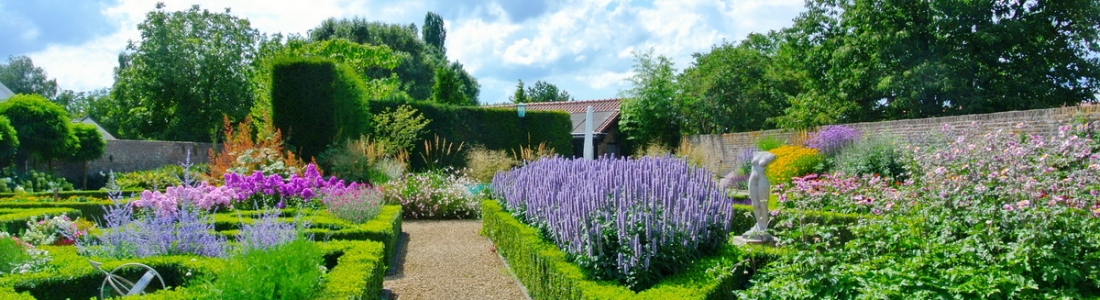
[(583, 47)]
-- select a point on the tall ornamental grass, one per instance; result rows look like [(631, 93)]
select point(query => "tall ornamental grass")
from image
[(630, 220)]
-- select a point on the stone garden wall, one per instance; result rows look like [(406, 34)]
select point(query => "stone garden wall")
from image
[(136, 155), (719, 150)]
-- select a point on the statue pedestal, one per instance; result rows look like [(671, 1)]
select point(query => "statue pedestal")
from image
[(755, 240)]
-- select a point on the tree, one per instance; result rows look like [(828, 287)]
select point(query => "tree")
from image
[(190, 68), (434, 33), (649, 114), (419, 60), (866, 60), (448, 88), (78, 103), (9, 142), (22, 77), (91, 146), (42, 128), (546, 92), (520, 96), (730, 89)]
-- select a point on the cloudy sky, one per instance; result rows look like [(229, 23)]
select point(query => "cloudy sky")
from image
[(583, 46)]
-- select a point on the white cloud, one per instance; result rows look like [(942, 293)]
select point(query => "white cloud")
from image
[(582, 46)]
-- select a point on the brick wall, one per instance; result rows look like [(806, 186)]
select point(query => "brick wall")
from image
[(719, 150), (136, 155)]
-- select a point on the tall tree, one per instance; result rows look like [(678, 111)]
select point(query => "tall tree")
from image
[(448, 88), (42, 128), (868, 60), (419, 60), (91, 146), (434, 33), (649, 113), (189, 69), (520, 96), (730, 89), (22, 77), (547, 92)]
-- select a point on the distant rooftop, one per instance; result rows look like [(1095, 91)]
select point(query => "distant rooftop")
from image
[(604, 112)]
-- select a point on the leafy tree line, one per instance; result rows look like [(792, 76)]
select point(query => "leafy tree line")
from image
[(192, 67), (539, 92), (869, 60)]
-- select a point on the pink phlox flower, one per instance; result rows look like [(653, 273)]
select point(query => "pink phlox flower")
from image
[(1009, 207)]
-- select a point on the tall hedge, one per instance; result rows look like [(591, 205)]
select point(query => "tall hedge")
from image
[(494, 128), (315, 101)]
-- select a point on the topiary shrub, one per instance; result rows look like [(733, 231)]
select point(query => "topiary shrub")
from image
[(792, 161), (315, 102), (9, 141)]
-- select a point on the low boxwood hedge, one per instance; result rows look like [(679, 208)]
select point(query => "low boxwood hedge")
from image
[(14, 220), (385, 228), (88, 210), (356, 271), (542, 267)]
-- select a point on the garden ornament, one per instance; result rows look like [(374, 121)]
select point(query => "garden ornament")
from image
[(115, 285), (759, 192)]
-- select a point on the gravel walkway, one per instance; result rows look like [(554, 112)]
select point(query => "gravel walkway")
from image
[(450, 260)]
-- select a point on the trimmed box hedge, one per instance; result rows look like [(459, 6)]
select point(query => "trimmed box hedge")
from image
[(14, 220), (356, 271), (385, 228), (494, 128), (64, 195), (542, 267), (92, 211)]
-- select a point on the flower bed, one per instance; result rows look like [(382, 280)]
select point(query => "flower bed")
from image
[(632, 221), (356, 270)]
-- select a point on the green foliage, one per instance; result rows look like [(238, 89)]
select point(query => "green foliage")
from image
[(398, 129), (769, 142), (493, 128), (316, 102), (22, 77), (483, 164), (31, 181), (874, 155), (540, 92), (14, 220), (363, 58), (190, 69), (420, 58), (435, 34), (287, 271), (156, 179), (42, 127), (730, 89), (90, 140), (649, 112), (866, 60), (12, 254), (363, 160), (9, 141), (448, 88)]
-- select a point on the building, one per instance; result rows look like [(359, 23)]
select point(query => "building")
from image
[(605, 124)]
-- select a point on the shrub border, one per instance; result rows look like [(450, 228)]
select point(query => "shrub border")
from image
[(14, 220), (542, 267)]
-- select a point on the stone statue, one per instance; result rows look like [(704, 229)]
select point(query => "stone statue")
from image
[(759, 192)]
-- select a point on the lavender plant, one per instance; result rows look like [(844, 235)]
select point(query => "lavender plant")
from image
[(358, 204), (268, 232), (830, 139), (189, 231), (634, 221)]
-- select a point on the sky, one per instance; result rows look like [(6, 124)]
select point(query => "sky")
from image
[(583, 46)]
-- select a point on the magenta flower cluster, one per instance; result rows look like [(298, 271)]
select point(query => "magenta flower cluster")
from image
[(830, 139), (304, 187), (204, 196)]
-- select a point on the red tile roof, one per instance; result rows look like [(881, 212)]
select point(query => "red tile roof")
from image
[(604, 111)]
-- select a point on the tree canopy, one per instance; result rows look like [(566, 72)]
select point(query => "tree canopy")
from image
[(189, 69), (21, 76), (649, 112), (42, 128), (540, 92)]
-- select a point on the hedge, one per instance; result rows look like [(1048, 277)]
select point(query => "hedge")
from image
[(65, 195), (92, 211), (315, 101), (14, 220), (494, 128), (356, 271), (385, 228), (542, 268)]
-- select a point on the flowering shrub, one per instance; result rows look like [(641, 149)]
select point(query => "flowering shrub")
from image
[(274, 191), (790, 162), (433, 195), (267, 232), (881, 156), (986, 215), (830, 139), (634, 221), (58, 230), (19, 257), (357, 204), (203, 196), (187, 231)]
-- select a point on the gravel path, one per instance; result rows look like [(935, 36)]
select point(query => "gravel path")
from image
[(450, 260)]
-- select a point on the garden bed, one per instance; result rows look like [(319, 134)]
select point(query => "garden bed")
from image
[(356, 270), (542, 267)]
